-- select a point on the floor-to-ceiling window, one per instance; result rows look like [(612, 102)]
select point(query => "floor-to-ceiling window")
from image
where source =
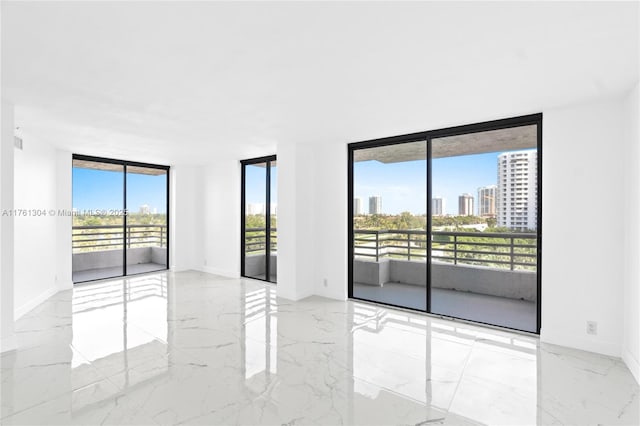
[(448, 222), (259, 219), (120, 218)]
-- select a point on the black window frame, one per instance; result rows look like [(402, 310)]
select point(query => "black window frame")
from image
[(428, 136), (125, 164), (268, 159)]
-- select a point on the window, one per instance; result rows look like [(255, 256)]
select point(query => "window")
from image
[(456, 261), (259, 237), (120, 218)]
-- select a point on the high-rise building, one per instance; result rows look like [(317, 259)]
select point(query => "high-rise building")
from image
[(487, 201), (255, 208), (144, 209), (375, 204), (438, 206), (516, 201), (357, 206), (465, 205)]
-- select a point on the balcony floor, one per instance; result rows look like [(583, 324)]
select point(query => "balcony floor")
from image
[(102, 273), (502, 311)]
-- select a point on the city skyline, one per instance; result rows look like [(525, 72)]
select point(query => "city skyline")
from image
[(402, 185)]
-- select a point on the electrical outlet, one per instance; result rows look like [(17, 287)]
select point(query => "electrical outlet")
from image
[(592, 327), (325, 282)]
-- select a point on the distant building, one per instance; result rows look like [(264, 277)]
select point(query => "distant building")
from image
[(144, 209), (357, 206), (517, 198), (487, 201), (255, 208), (375, 204), (465, 205), (438, 206)]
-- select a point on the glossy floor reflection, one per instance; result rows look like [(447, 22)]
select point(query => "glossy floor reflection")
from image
[(193, 348)]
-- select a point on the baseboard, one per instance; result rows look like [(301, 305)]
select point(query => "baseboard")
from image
[(27, 307), (632, 364), (217, 271), (8, 344), (599, 347)]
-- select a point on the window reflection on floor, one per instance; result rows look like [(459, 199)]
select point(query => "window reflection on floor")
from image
[(391, 349), (261, 336), (121, 328)]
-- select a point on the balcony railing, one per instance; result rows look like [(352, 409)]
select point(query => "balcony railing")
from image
[(255, 240), (514, 251), (110, 237)]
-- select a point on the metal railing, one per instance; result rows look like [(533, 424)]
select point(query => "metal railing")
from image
[(255, 240), (514, 251), (111, 237)]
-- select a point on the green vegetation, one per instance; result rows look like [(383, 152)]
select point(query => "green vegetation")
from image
[(258, 221), (406, 220), (132, 218)]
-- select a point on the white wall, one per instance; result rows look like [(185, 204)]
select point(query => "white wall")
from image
[(221, 218), (631, 292), (582, 230), (35, 245), (64, 164), (297, 242), (7, 336), (186, 218), (330, 198)]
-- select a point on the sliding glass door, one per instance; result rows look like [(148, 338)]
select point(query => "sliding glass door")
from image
[(389, 224), (259, 219), (98, 236), (483, 254), (120, 218), (472, 252), (146, 219)]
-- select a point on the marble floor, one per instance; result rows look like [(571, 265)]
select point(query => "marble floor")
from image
[(193, 348)]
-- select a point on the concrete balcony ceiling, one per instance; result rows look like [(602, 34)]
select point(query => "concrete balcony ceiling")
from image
[(84, 164), (511, 139)]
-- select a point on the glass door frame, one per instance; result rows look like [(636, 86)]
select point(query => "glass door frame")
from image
[(126, 163), (244, 163), (428, 136)]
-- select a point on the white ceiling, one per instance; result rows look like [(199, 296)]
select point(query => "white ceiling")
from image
[(186, 83)]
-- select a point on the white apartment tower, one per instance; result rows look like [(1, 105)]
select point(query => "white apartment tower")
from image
[(357, 206), (375, 204), (487, 201), (437, 206), (465, 205), (516, 201)]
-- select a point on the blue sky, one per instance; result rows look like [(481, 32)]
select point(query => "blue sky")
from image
[(101, 189), (403, 185), (255, 191)]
